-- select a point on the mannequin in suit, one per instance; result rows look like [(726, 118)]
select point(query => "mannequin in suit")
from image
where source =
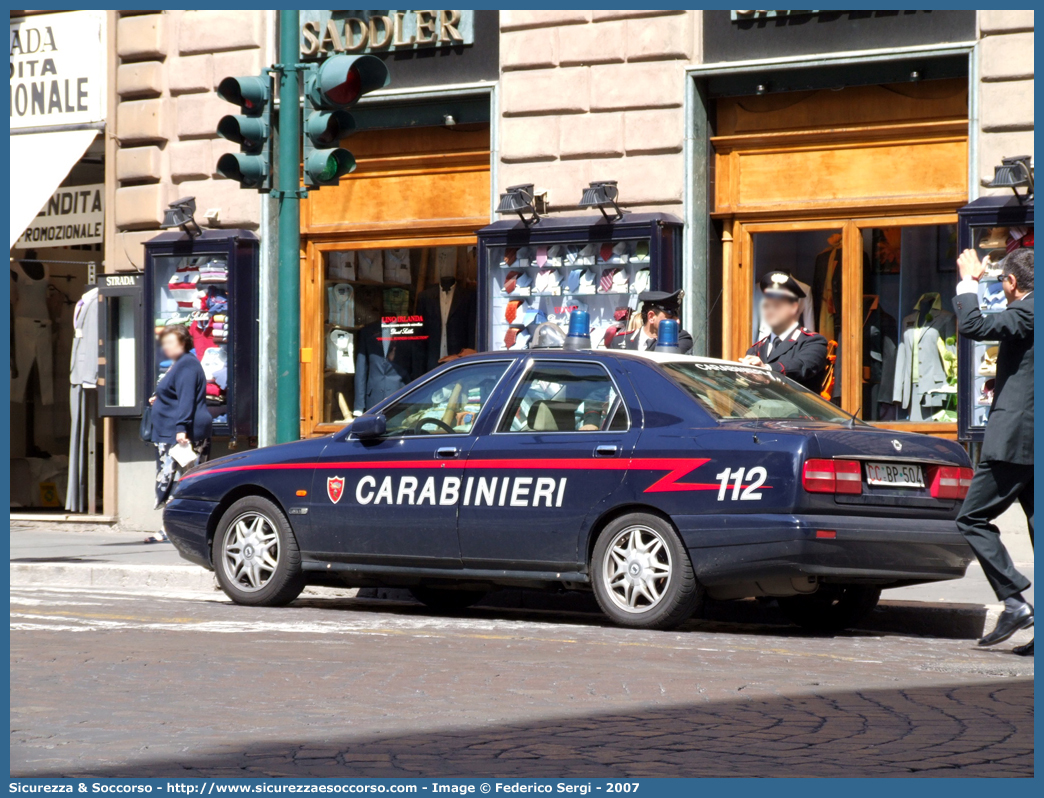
[(382, 366), (449, 310)]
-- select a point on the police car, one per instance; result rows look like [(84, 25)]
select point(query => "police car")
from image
[(653, 479)]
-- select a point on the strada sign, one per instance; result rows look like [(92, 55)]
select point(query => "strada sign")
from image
[(58, 69)]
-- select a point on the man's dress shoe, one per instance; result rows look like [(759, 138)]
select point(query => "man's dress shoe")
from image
[(1025, 650), (1009, 622)]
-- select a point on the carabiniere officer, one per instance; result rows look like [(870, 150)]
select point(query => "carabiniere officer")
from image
[(789, 349), (656, 306)]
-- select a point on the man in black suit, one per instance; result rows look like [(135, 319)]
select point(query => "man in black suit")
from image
[(789, 349), (656, 306), (1005, 471)]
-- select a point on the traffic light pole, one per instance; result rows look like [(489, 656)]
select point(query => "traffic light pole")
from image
[(288, 299)]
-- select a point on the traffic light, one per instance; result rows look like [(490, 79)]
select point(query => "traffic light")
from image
[(330, 88), (251, 130)]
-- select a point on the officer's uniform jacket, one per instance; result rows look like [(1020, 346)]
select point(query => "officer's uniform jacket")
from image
[(801, 356), (1009, 431)]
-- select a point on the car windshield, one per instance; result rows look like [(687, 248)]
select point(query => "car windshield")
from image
[(732, 391)]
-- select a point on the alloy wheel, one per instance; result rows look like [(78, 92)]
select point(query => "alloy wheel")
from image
[(637, 569), (250, 552)]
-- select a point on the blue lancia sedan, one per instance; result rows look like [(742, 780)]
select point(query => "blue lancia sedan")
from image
[(654, 480)]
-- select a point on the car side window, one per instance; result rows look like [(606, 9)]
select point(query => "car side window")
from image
[(447, 404), (565, 397)]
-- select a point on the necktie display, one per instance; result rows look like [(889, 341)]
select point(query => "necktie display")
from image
[(512, 310), (509, 256), (541, 256), (510, 280), (510, 336), (606, 252), (572, 282), (606, 283)]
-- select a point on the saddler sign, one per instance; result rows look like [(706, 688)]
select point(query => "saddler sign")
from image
[(325, 32)]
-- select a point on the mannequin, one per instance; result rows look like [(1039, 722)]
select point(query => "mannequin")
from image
[(919, 367), (449, 310), (32, 329)]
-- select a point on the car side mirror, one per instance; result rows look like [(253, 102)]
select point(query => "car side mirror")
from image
[(369, 426)]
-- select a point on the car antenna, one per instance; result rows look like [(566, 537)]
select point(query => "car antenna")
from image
[(852, 417)]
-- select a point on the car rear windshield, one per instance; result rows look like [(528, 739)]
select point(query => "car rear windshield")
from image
[(729, 391)]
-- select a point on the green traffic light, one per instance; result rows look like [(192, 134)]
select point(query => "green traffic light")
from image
[(326, 167)]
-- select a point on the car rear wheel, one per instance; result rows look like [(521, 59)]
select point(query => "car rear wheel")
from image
[(255, 554), (832, 608), (445, 599), (642, 575)]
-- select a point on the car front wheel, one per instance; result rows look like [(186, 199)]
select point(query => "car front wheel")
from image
[(642, 575), (255, 554), (832, 608)]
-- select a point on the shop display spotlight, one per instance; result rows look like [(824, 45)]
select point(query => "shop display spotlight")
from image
[(521, 199), (1012, 173), (602, 193), (181, 213)]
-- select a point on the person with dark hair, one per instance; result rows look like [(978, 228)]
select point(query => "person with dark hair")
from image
[(179, 413), (1005, 471), (656, 306)]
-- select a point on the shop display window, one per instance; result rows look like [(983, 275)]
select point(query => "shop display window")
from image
[(193, 291), (908, 364), (909, 358), (389, 316), (533, 284)]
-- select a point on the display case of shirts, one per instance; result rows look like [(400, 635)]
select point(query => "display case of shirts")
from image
[(209, 284), (542, 271), (993, 227)]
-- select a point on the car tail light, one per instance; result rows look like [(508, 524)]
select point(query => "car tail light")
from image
[(832, 476), (950, 482)]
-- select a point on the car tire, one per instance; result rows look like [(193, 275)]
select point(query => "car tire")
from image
[(832, 608), (255, 554), (446, 599), (642, 575)]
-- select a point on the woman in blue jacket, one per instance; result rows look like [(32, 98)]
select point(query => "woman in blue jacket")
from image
[(179, 412)]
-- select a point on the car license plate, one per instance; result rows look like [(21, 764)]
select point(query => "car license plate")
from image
[(895, 475)]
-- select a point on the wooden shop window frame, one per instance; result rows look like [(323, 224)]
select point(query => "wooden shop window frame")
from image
[(313, 303), (738, 293)]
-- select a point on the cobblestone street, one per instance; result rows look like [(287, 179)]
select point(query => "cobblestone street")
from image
[(109, 682)]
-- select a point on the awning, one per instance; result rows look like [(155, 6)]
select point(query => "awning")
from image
[(39, 164)]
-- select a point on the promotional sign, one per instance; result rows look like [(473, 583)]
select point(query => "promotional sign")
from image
[(58, 69), (73, 215)]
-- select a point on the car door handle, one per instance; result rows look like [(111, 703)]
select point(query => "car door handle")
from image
[(447, 451), (605, 450)]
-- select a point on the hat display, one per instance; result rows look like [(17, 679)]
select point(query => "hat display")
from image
[(780, 285)]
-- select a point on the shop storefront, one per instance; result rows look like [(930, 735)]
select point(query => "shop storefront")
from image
[(389, 256), (840, 153), (57, 236)]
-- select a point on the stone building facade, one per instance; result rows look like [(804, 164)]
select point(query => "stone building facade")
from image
[(166, 115)]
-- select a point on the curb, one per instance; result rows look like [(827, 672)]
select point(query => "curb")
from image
[(179, 577), (930, 619)]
